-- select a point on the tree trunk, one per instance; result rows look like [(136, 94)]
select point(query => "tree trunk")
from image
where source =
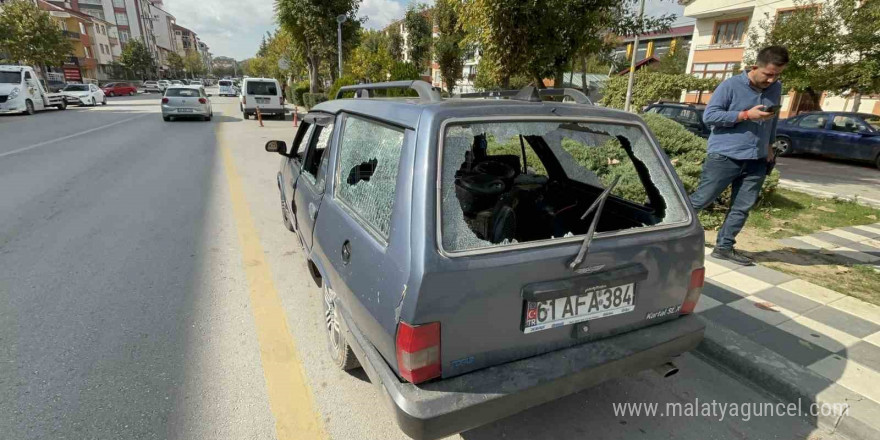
[(857, 102), (584, 87), (539, 82), (505, 82), (559, 76), (312, 66)]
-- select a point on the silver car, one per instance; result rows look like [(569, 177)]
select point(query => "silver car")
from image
[(187, 102)]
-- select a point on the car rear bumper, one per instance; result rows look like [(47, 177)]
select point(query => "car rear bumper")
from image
[(174, 111), (266, 110), (441, 408)]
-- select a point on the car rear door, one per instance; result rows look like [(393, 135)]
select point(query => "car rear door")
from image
[(845, 140), (310, 184), (806, 133)]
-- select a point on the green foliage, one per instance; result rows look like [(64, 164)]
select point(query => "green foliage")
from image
[(29, 36), (395, 43), (137, 59), (675, 61), (313, 99), (448, 46), (176, 64), (345, 80), (371, 61), (401, 71), (299, 90), (418, 27), (652, 86)]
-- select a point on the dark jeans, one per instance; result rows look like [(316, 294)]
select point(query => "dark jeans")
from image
[(745, 177)]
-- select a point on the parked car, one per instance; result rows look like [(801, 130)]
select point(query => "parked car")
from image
[(163, 84), (186, 102), (22, 91), (455, 265), (690, 116), (177, 82), (841, 135), (119, 89), (196, 82), (151, 86), (85, 94), (262, 93), (227, 89)]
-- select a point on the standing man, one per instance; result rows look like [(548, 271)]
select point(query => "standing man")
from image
[(740, 153)]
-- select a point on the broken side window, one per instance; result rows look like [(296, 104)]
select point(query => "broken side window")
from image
[(511, 182), (369, 156)]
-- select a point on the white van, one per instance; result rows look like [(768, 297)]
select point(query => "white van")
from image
[(22, 92), (227, 88), (262, 93)]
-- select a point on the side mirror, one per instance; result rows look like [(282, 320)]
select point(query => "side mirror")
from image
[(277, 147)]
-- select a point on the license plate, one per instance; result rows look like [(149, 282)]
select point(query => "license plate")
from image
[(262, 100), (593, 303), (184, 110)]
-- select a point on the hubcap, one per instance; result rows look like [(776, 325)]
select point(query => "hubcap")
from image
[(780, 146), (331, 318)]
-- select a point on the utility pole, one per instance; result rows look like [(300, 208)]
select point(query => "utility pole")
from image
[(339, 20), (632, 64)]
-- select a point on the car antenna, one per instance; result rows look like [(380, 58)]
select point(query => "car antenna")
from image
[(597, 205)]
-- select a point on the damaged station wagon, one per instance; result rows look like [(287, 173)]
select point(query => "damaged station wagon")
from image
[(487, 253)]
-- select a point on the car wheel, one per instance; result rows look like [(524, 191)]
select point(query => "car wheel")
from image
[(29, 107), (244, 114), (94, 102), (62, 106), (130, 93), (877, 162), (782, 146), (111, 94), (208, 118), (104, 102), (340, 351)]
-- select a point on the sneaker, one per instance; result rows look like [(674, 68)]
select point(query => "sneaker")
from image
[(733, 256)]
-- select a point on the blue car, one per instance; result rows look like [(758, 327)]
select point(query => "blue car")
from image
[(841, 135)]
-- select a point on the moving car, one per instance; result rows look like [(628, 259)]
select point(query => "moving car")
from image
[(263, 94), (177, 82), (186, 102), (690, 116), (85, 94), (841, 135), (196, 82), (227, 89), (119, 89), (478, 258), (21, 91), (152, 86), (163, 84)]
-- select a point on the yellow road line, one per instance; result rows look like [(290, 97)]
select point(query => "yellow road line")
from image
[(289, 396)]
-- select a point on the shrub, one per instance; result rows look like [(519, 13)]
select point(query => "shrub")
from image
[(298, 90), (345, 80), (313, 99)]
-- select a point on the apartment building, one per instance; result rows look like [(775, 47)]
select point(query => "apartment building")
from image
[(654, 45), (720, 40), (82, 64)]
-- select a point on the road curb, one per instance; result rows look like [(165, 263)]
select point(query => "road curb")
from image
[(865, 201), (790, 382)]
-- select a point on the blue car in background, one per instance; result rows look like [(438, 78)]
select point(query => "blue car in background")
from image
[(841, 135)]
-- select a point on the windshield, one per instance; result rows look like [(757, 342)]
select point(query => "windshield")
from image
[(76, 88), (10, 77), (874, 122), (182, 92), (225, 83), (493, 195), (261, 88)]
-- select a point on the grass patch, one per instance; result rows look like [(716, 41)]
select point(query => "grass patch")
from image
[(786, 213)]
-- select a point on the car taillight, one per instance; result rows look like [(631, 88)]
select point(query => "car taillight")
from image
[(164, 100), (418, 351), (203, 101), (244, 100), (695, 288)]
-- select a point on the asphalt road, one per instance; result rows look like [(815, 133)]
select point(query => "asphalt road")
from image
[(137, 260), (831, 178)]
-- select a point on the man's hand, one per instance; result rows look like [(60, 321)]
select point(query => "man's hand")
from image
[(757, 114)]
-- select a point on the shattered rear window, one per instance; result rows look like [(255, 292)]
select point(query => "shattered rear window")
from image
[(369, 155), (515, 182)]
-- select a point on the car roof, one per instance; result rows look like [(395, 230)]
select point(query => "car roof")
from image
[(679, 104), (260, 79)]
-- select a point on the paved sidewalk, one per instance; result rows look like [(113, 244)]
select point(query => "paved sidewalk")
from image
[(797, 339), (859, 244)]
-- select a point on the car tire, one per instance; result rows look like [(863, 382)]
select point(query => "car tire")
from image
[(130, 93), (94, 102), (62, 106), (208, 118), (245, 115), (166, 118), (111, 94), (104, 102), (877, 162), (29, 107), (782, 147), (340, 351)]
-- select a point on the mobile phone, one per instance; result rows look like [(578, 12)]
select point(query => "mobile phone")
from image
[(772, 108)]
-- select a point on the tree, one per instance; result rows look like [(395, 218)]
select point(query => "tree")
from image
[(860, 71), (371, 61), (448, 46), (194, 63), (311, 25), (137, 59), (176, 64), (418, 28), (675, 61), (395, 43), (651, 86), (29, 36), (545, 34)]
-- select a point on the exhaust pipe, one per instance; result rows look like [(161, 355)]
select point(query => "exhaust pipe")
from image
[(666, 370)]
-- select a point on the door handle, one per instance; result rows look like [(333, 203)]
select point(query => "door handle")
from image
[(313, 210), (346, 252)]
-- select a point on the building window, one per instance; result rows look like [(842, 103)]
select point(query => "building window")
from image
[(88, 53), (784, 14), (121, 19), (119, 4), (124, 36), (729, 32), (82, 28), (715, 70)]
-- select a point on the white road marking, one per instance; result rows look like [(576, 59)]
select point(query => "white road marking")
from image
[(64, 138)]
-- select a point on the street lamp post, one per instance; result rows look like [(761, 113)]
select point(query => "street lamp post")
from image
[(632, 64), (339, 20)]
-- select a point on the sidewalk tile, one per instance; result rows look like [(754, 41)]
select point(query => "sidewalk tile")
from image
[(798, 244), (725, 263), (867, 247), (855, 306), (822, 244), (869, 229), (874, 243), (766, 274), (820, 334), (874, 339), (721, 293), (713, 269), (864, 353), (863, 233), (708, 250), (773, 314), (792, 347), (735, 320), (812, 291), (706, 303), (847, 235), (788, 300), (831, 238), (843, 321), (850, 374), (853, 254), (744, 283)]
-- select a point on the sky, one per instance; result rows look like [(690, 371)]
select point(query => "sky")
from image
[(234, 28)]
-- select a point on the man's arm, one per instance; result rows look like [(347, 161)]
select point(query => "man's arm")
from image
[(718, 110)]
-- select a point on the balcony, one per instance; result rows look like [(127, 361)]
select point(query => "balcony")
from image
[(71, 61), (731, 45), (71, 35), (113, 41)]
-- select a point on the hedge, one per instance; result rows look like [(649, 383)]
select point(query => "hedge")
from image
[(313, 99), (345, 80), (298, 90)]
